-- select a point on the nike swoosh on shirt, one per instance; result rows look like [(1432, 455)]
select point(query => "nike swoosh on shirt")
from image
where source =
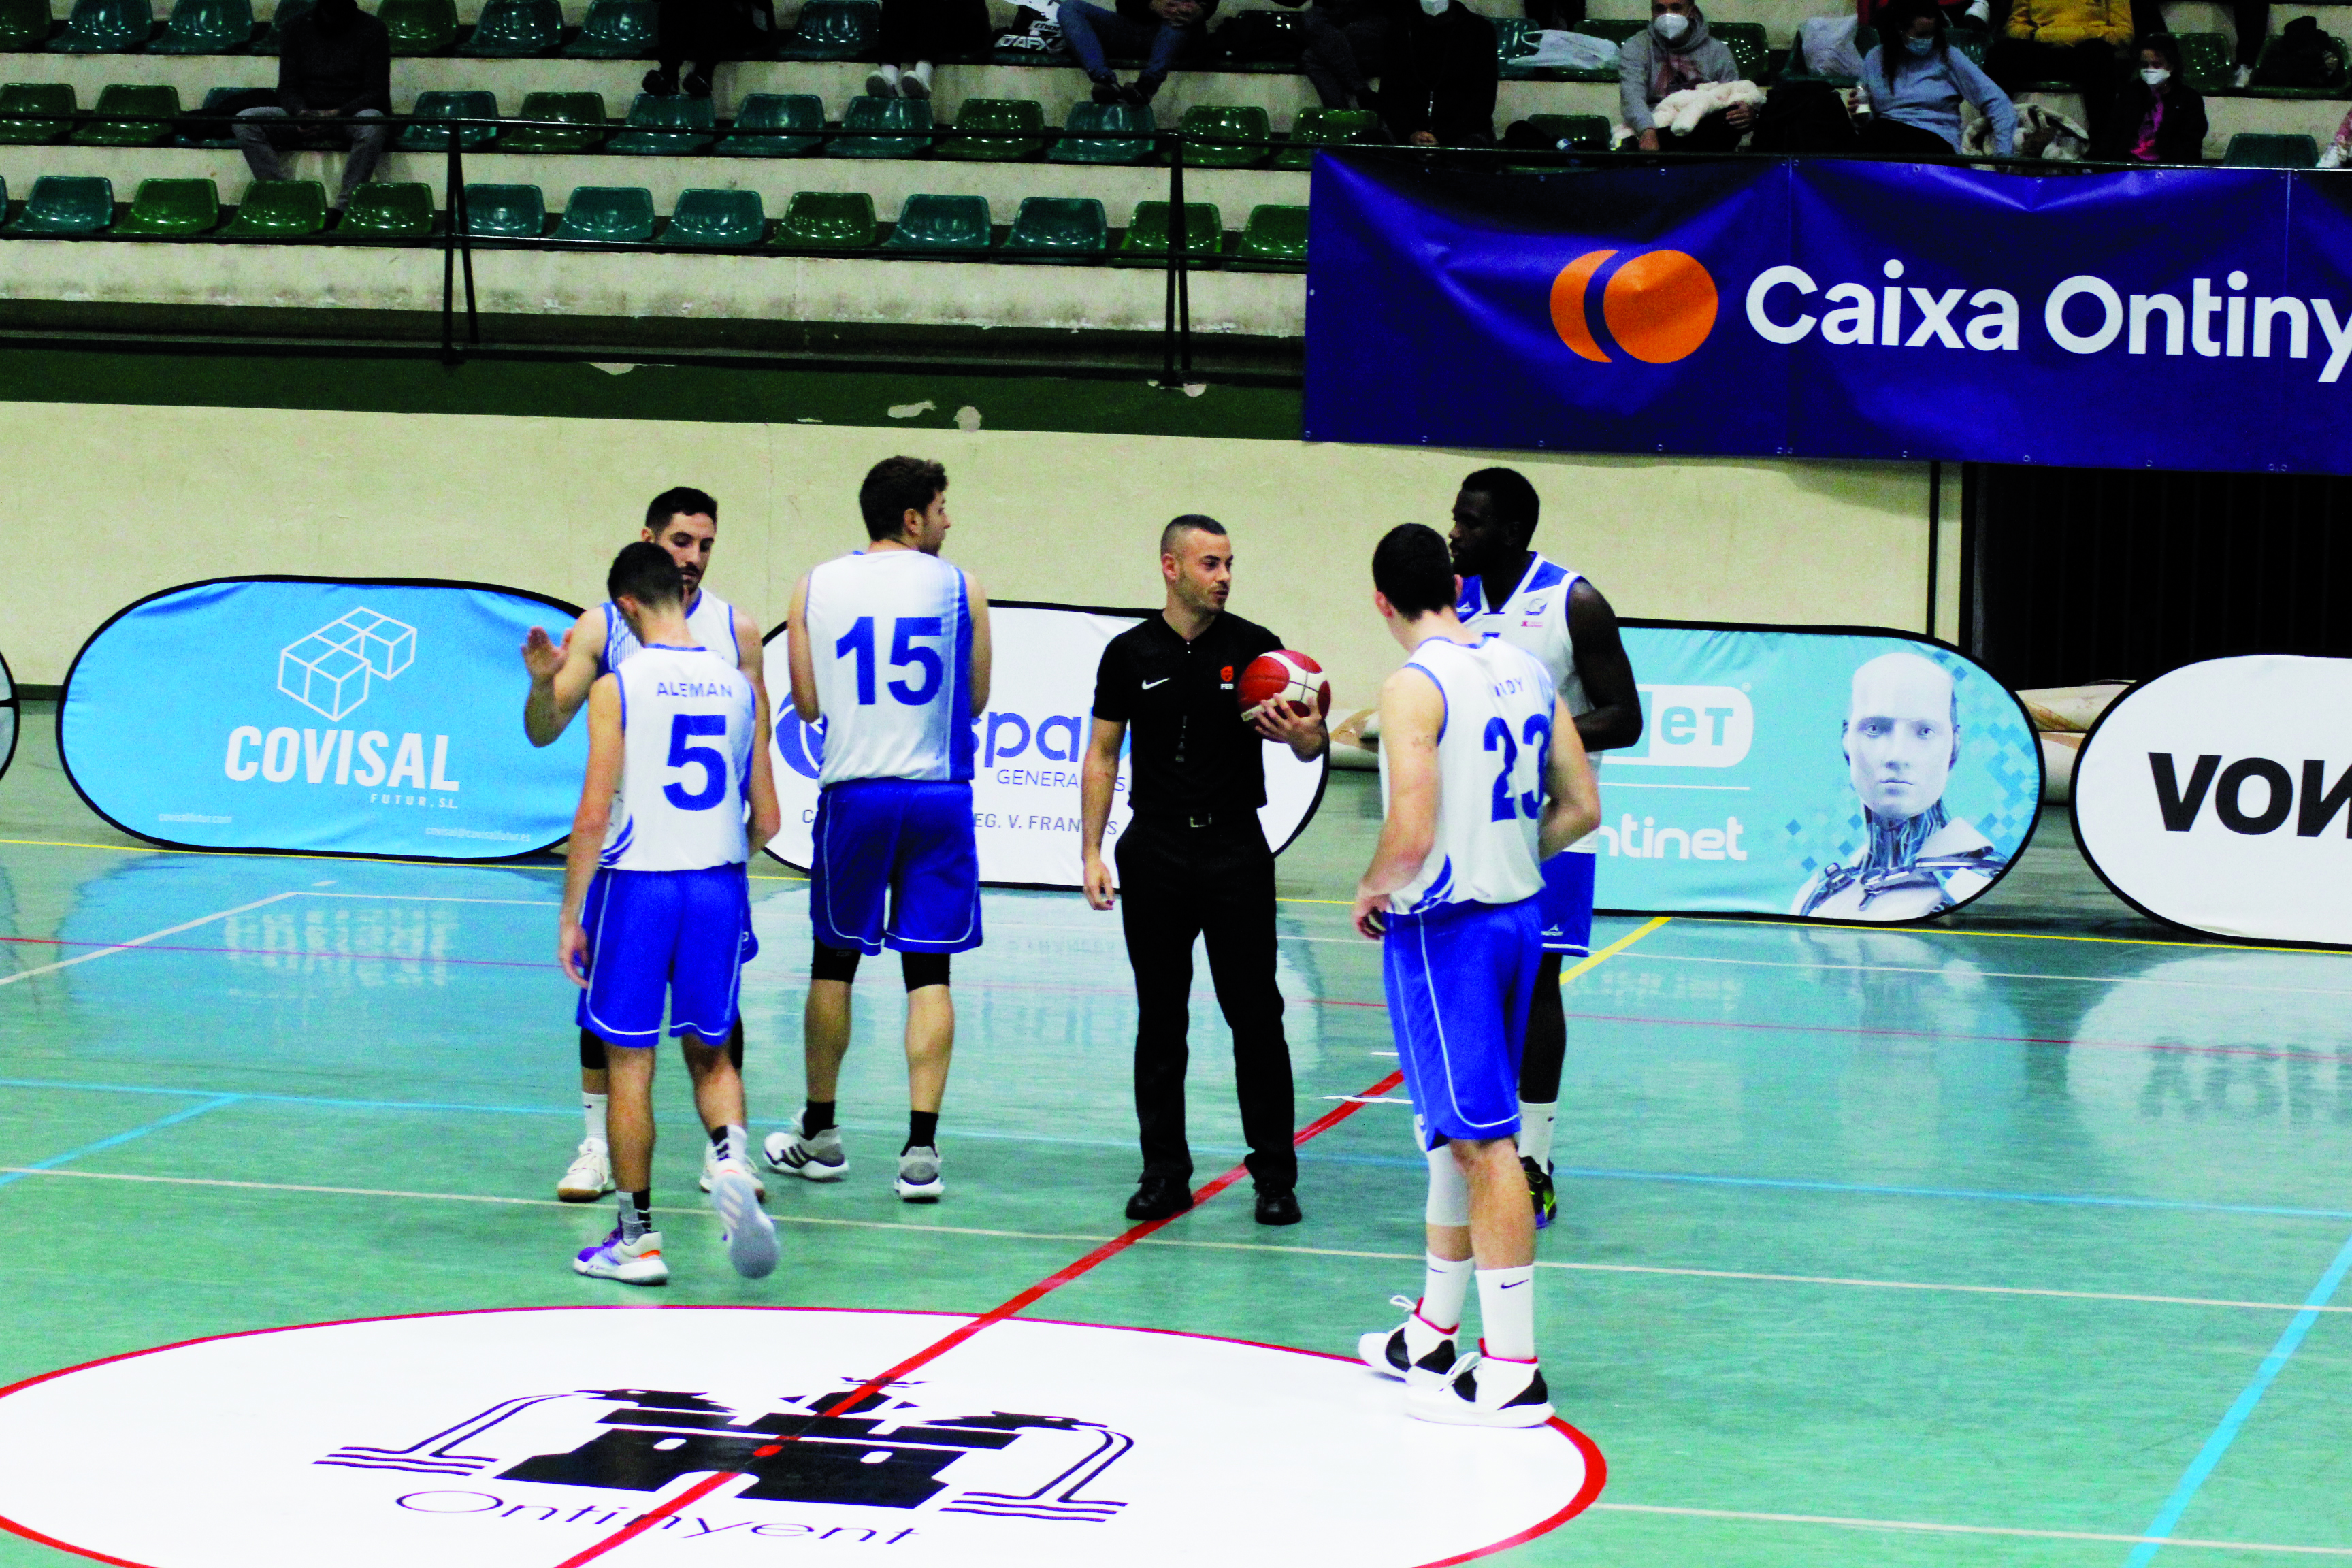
[(1161, 681)]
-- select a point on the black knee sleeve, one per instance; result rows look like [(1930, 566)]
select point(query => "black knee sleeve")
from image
[(1546, 1046), (592, 1052), (833, 964), (735, 1043), (923, 969)]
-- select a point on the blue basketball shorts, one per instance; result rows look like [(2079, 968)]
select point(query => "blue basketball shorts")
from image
[(1565, 902), (1459, 979), (906, 843), (656, 936)]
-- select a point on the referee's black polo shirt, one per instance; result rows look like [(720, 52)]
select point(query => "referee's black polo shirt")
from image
[(1191, 753)]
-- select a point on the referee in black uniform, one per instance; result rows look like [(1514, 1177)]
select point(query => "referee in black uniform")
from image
[(1194, 861)]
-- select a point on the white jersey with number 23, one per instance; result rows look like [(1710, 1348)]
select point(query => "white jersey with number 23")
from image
[(1492, 749)]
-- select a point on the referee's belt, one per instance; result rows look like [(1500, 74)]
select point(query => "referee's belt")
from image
[(1222, 817)]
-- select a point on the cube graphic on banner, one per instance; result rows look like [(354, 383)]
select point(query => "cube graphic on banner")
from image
[(328, 671)]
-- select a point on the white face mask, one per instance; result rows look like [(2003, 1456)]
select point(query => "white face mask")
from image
[(2156, 75), (1670, 26), (1435, 7)]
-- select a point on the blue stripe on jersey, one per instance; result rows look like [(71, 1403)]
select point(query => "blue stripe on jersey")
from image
[(1546, 573), (604, 659), (960, 720)]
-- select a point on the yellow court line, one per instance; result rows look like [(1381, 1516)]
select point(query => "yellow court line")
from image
[(1916, 1526), (1613, 949)]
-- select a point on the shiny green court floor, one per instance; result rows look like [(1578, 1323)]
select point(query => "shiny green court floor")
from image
[(1924, 1248)]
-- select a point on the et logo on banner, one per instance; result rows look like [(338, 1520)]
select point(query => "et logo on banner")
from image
[(1658, 305)]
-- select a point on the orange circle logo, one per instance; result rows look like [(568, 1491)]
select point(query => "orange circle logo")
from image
[(1659, 306)]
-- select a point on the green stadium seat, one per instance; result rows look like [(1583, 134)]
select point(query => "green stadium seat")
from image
[(206, 27), (1144, 243), (1615, 32), (515, 29), (275, 29), (1749, 47), (667, 126), (2260, 150), (1583, 132), (171, 209), (1515, 38), (615, 30), (834, 31), (25, 24), (135, 117), (1017, 118), (1216, 135), (505, 211), (941, 226), (609, 215), (1105, 134), (761, 115), (882, 114), (279, 209), (1275, 47), (66, 204), (730, 219), (463, 105), (2205, 61), (1274, 240), (828, 220), (582, 114), (21, 105), (105, 27), (1059, 228), (389, 210), (210, 126), (1326, 127), (2331, 88), (420, 27)]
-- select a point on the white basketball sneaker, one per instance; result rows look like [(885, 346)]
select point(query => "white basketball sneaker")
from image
[(1417, 1349), (750, 1235), (918, 1175), (817, 1159), (711, 1171), (637, 1262), (590, 1174), (1484, 1390)]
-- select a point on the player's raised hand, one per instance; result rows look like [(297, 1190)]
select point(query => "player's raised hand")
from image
[(571, 953), (542, 654), (1098, 889), (1371, 915)]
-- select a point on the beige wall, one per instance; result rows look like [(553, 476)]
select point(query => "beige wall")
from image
[(169, 495)]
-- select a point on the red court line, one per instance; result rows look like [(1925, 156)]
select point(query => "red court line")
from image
[(997, 1314), (1944, 1035)]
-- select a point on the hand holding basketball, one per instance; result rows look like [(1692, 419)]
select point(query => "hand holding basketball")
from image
[(1287, 677)]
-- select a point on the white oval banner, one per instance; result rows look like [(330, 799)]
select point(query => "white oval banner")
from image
[(2219, 797), (524, 1438), (1026, 751)]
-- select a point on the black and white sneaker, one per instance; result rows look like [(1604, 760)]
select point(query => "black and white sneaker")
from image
[(1484, 1390), (1417, 1349), (817, 1159), (918, 1175)]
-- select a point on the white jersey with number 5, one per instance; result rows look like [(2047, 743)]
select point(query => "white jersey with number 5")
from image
[(1492, 748), (687, 721), (890, 632)]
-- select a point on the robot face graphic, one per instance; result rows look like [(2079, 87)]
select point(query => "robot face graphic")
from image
[(1900, 738)]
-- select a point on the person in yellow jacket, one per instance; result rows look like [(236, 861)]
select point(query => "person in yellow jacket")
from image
[(2084, 42)]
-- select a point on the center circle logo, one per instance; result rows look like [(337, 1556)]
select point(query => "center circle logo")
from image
[(1658, 305), (521, 1438)]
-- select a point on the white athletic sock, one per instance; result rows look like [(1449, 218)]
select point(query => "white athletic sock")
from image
[(1506, 1312), (1442, 1287), (735, 1141), (593, 1106), (1535, 1130)]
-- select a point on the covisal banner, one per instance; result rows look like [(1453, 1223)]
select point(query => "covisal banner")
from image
[(2219, 797), (1027, 751), (321, 716), (1819, 308), (1831, 774)]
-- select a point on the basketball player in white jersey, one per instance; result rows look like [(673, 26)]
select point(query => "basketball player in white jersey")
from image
[(684, 522), (657, 911), (1483, 778), (1560, 617), (889, 647)]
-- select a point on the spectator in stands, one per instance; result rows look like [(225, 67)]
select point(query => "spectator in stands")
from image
[(2085, 42), (1345, 42), (2339, 152), (1975, 14), (2252, 20), (1161, 31), (1915, 80), (1439, 86), (690, 40), (2157, 118), (335, 63), (1675, 53), (917, 32)]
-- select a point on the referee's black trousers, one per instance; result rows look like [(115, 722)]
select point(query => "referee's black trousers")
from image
[(1177, 883)]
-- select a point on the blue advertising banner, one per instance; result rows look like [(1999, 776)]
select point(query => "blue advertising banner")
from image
[(1835, 309), (8, 717), (1844, 774), (326, 717)]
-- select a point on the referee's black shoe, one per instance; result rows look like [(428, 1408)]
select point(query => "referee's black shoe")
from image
[(1279, 1207), (1160, 1197)]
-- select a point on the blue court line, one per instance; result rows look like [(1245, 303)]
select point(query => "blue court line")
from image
[(2289, 1341), (100, 1144)]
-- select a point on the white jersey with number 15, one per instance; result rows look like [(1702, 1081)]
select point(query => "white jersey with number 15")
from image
[(890, 634), (1492, 749)]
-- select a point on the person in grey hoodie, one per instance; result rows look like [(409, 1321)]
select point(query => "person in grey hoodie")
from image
[(1916, 79), (1676, 52)]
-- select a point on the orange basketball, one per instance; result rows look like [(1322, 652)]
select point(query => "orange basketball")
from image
[(1285, 675)]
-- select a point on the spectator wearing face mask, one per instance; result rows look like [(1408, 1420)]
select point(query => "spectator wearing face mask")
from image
[(1916, 82), (1439, 85), (1678, 52), (2158, 118), (335, 64)]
